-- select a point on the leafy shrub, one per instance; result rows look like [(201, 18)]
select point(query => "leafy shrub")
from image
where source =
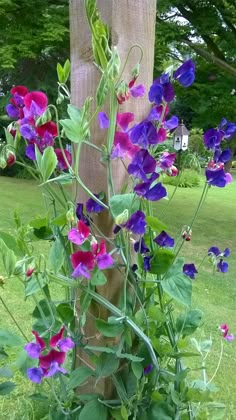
[(186, 179)]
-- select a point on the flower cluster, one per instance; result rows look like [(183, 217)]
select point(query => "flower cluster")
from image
[(49, 363), (213, 138), (84, 261), (27, 107)]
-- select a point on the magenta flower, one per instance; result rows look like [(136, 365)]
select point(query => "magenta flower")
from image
[(123, 120), (35, 104), (62, 164), (79, 235), (123, 146), (224, 328), (84, 261), (50, 363)]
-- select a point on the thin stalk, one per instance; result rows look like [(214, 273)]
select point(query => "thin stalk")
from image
[(218, 364), (13, 319)]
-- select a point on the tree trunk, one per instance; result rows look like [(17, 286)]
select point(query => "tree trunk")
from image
[(130, 22)]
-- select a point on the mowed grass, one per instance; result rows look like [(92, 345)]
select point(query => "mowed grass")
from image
[(214, 294)]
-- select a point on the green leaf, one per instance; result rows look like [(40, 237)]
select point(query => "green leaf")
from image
[(120, 202), (60, 73), (48, 163), (39, 222), (161, 261), (109, 329), (66, 69), (98, 278), (137, 369), (73, 130), (9, 138), (6, 372), (6, 388), (23, 362), (10, 242), (177, 285), (129, 356), (94, 410), (160, 410), (8, 258), (187, 323), (34, 284), (65, 312), (60, 220), (44, 233), (39, 397), (78, 376), (56, 255), (10, 339), (155, 224), (101, 349), (106, 365)]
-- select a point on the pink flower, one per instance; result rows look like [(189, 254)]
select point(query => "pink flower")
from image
[(80, 234), (224, 328)]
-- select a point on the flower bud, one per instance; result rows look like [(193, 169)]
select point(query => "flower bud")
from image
[(172, 171), (70, 215), (122, 218), (122, 92), (29, 271), (186, 233), (135, 74), (60, 98), (11, 158)]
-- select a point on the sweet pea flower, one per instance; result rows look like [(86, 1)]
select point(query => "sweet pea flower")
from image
[(80, 214), (185, 74), (149, 191), (217, 258), (122, 146), (93, 206), (79, 235), (136, 223), (141, 247), (50, 363), (190, 270), (216, 176), (212, 138), (161, 89), (164, 240), (142, 164), (144, 134), (166, 160), (84, 262), (224, 328)]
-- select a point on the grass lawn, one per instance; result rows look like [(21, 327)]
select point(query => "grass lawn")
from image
[(215, 294)]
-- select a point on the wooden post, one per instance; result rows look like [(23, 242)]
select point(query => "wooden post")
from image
[(130, 22)]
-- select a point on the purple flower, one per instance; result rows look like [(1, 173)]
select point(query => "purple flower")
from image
[(217, 177), (33, 350), (141, 247), (222, 266), (103, 120), (137, 223), (12, 111), (137, 91), (147, 263), (144, 134), (190, 270), (35, 374), (166, 160), (164, 240), (173, 122), (27, 132), (212, 138), (143, 163), (161, 89), (147, 369), (54, 368), (80, 214), (223, 157), (151, 193), (185, 74), (65, 344), (92, 206), (214, 250)]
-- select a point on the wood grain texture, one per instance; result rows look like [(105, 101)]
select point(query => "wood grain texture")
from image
[(131, 22)]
